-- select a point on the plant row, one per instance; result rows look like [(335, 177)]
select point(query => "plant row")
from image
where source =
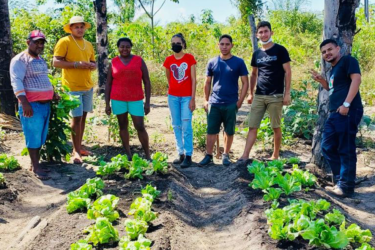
[(309, 220), (103, 211), (136, 167)]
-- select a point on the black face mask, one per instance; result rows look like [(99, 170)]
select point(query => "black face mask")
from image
[(176, 48)]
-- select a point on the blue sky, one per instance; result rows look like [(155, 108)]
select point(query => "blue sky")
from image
[(222, 9)]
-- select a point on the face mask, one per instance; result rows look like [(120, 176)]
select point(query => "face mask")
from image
[(266, 42), (176, 48)]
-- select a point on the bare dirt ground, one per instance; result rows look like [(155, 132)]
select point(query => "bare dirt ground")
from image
[(200, 208)]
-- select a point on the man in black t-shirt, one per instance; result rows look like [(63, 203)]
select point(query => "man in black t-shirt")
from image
[(272, 75), (346, 111)]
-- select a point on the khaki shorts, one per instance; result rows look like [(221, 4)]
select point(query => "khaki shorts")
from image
[(272, 103)]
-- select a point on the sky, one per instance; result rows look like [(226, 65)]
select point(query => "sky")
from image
[(221, 9)]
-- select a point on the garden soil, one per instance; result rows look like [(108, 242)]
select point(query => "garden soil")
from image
[(199, 208)]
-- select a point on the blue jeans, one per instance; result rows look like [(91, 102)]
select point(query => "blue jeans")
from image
[(35, 128), (182, 123), (339, 149)]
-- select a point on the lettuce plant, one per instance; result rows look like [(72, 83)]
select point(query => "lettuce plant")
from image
[(141, 209), (8, 163), (288, 183), (80, 245), (135, 227), (102, 232), (272, 194), (141, 244), (335, 218), (80, 199), (150, 190), (104, 207), (356, 234), (365, 246), (159, 163), (304, 177), (256, 167)]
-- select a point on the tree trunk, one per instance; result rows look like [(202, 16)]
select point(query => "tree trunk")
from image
[(339, 24), (254, 41), (7, 98), (102, 42)]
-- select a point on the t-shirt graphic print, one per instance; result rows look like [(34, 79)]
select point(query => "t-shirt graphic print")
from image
[(180, 74)]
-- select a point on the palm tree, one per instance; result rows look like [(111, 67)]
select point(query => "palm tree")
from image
[(7, 99)]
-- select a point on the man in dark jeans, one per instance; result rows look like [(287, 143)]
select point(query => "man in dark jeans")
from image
[(346, 111)]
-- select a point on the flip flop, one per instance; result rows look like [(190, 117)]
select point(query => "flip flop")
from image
[(85, 152), (42, 176)]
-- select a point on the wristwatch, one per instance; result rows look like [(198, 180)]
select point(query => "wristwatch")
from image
[(346, 104)]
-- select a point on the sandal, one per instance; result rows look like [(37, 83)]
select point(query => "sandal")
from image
[(85, 152)]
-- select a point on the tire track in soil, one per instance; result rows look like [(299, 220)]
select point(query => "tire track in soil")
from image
[(211, 208)]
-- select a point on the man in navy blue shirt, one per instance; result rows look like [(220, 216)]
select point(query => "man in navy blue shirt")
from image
[(223, 103), (346, 111)]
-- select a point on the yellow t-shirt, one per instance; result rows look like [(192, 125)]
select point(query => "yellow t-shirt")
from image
[(76, 79)]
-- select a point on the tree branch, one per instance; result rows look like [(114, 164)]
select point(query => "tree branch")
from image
[(143, 7), (160, 7)]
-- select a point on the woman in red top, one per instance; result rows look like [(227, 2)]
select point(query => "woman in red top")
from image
[(124, 91), (181, 75)]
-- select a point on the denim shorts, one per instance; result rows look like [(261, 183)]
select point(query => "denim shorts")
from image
[(85, 97), (35, 128), (134, 108)]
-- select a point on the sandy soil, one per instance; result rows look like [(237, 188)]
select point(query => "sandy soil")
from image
[(200, 208)]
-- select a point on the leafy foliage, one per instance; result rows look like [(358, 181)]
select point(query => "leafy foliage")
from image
[(141, 209), (335, 218), (150, 190), (199, 127), (102, 232), (80, 245), (104, 207), (159, 163), (365, 246), (288, 183), (304, 177), (117, 162), (356, 234), (141, 244), (138, 165), (8, 163), (56, 146), (135, 227), (2, 180), (80, 199)]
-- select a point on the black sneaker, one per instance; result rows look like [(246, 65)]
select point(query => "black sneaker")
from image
[(207, 160), (179, 160), (226, 160), (187, 162)]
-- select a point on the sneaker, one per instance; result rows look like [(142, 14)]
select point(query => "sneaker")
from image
[(207, 160), (179, 160), (226, 160), (337, 191), (187, 162)]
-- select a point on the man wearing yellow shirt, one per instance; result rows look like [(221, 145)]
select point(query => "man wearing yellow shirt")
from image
[(76, 57)]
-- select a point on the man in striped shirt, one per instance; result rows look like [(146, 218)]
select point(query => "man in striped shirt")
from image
[(34, 91)]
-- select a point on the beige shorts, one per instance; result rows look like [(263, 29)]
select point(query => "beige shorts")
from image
[(262, 103)]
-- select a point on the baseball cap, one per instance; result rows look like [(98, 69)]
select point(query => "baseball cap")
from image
[(36, 35)]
